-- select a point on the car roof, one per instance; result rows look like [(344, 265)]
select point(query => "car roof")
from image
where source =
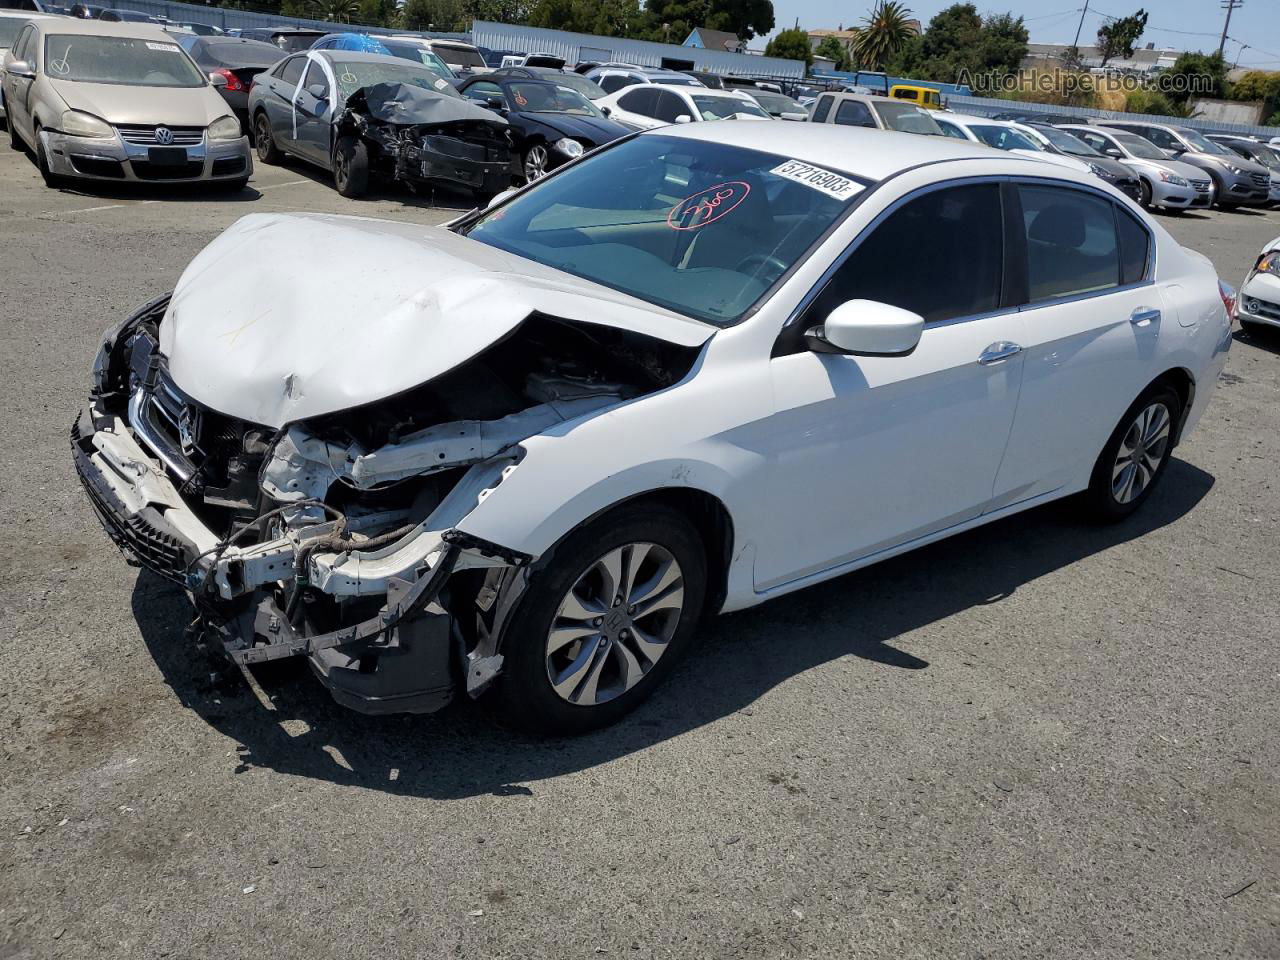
[(27, 14), (356, 56), (873, 154), (968, 120), (106, 28)]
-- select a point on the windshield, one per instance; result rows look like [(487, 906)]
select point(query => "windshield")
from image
[(353, 74), (720, 108), (1139, 147), (420, 55), (906, 118), (1066, 142), (120, 60), (9, 29), (461, 58), (1004, 138), (550, 98), (588, 88), (777, 103), (695, 226), (1200, 143)]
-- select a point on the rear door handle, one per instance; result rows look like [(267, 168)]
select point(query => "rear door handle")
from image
[(1144, 316), (998, 352)]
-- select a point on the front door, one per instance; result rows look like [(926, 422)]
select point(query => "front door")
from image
[(871, 452), (313, 104)]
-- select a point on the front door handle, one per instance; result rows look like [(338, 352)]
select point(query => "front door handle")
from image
[(1144, 316), (998, 352)]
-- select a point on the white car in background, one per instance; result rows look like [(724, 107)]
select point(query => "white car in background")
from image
[(649, 105), (11, 24), (1258, 304), (701, 367), (1164, 182), (1003, 135)]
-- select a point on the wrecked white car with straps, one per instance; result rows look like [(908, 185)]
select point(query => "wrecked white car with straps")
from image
[(526, 452)]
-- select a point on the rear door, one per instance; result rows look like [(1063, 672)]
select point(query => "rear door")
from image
[(1093, 319)]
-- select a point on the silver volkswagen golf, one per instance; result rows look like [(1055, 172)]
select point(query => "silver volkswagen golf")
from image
[(118, 102)]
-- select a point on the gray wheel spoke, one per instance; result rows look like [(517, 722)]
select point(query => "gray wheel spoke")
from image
[(670, 599), (574, 607), (561, 637), (610, 567), (667, 574), (634, 557), (648, 647), (581, 674), (630, 668)]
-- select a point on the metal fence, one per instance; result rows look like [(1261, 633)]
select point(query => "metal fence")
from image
[(987, 107), (577, 47), (230, 19)]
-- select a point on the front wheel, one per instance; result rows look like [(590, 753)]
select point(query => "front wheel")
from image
[(604, 620), (351, 167), (1136, 455), (536, 161), (51, 179), (1144, 194)]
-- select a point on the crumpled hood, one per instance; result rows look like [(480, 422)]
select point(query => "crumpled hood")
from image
[(290, 316), (120, 103)]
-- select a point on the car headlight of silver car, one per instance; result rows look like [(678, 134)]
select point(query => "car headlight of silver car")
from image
[(569, 147), (225, 128), (77, 123), (1174, 179)]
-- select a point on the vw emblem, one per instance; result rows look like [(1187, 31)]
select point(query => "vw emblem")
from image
[(188, 427), (164, 135)]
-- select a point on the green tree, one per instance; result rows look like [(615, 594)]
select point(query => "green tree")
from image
[(1154, 102), (790, 44), (1003, 44), (442, 15), (835, 51), (882, 34), (960, 46), (339, 11), (1117, 38), (1195, 75), (743, 18)]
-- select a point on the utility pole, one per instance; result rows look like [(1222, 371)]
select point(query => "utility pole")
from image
[(1080, 27), (1227, 5), (1243, 48)]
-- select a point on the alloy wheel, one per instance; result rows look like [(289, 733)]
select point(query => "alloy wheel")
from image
[(535, 162), (262, 137), (1142, 449), (614, 623)]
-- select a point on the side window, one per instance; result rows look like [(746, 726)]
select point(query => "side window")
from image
[(1092, 139), (904, 95), (1071, 242), (822, 109), (951, 130), (316, 77), (291, 72), (20, 48), (1135, 247), (1161, 138), (483, 91), (642, 101), (966, 263), (669, 106), (614, 82), (854, 113)]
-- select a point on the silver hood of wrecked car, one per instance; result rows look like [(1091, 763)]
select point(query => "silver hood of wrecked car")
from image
[(290, 316)]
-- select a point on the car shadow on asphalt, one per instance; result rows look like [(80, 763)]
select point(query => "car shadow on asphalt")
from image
[(740, 657), (1265, 339), (429, 198)]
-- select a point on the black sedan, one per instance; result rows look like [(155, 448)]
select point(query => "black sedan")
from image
[(551, 124), (237, 61), (588, 88)]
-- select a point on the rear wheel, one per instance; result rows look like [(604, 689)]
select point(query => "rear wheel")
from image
[(263, 143), (351, 167), (1136, 454), (603, 621)]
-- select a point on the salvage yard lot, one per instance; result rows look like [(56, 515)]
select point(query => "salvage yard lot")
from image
[(1040, 738)]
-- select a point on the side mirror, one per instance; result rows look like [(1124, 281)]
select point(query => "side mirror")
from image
[(607, 111), (495, 103), (684, 118), (866, 328), (21, 68), (1114, 153), (217, 79), (318, 91)]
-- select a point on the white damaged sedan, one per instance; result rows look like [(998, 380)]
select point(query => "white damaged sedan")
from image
[(527, 452)]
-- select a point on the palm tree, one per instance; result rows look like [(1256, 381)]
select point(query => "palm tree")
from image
[(340, 10), (882, 33)]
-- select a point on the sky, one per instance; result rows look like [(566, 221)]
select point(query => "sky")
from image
[(1180, 24)]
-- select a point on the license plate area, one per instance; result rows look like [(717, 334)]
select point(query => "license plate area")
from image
[(167, 156)]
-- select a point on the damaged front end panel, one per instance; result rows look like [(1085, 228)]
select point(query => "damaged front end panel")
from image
[(336, 537), (421, 137)]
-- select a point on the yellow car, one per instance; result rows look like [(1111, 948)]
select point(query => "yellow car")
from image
[(926, 97)]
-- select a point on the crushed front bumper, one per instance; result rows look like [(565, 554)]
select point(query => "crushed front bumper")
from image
[(402, 660)]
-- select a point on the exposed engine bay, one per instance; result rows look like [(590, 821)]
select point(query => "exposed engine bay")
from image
[(335, 537), (418, 136)]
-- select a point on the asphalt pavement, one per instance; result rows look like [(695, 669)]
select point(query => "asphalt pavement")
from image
[(1038, 739)]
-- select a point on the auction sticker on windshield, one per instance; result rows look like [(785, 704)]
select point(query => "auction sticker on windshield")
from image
[(832, 184)]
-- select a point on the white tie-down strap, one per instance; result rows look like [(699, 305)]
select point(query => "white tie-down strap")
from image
[(312, 57)]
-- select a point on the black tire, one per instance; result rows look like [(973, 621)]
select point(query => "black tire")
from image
[(264, 144), (1102, 500), (51, 179), (523, 693), (351, 166), (1144, 194)]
